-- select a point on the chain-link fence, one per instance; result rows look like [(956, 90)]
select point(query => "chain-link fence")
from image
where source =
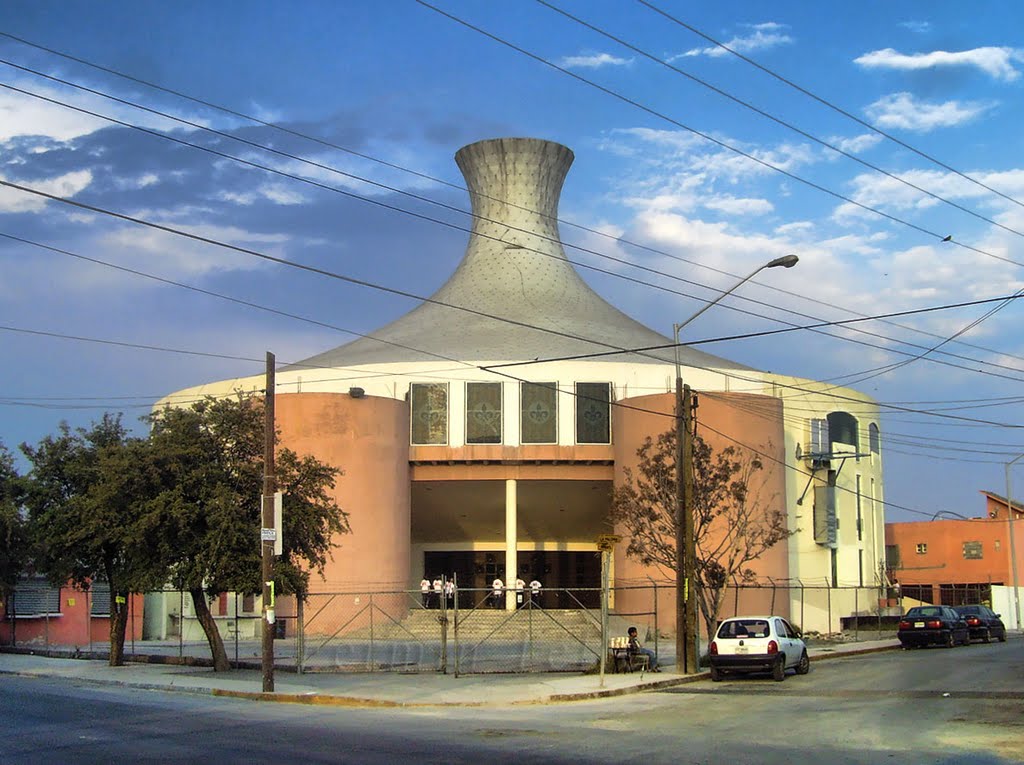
[(458, 630)]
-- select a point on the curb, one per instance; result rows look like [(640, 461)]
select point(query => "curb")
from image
[(321, 699)]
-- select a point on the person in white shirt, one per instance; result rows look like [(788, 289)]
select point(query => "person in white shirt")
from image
[(535, 591), (449, 592), (425, 591), (438, 591), (520, 586), (496, 588)]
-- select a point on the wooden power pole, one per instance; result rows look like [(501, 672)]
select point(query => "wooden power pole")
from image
[(267, 532)]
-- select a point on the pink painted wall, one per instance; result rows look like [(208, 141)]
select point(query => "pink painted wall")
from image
[(368, 438), (72, 628), (751, 419)]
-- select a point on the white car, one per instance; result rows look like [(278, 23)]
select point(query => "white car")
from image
[(758, 644)]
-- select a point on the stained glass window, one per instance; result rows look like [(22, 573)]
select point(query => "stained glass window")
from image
[(483, 413), (593, 413), (429, 404), (539, 413)]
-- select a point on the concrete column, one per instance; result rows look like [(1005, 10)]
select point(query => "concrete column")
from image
[(511, 540)]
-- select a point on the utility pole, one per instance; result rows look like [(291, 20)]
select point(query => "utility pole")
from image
[(267, 535), (681, 589), (686, 543), (689, 536)]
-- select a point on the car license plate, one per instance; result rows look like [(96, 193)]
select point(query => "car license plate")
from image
[(742, 649), (918, 625)]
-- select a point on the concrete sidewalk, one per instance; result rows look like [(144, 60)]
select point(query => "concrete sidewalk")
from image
[(376, 689)]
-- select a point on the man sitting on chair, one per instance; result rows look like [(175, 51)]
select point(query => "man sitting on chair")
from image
[(636, 648)]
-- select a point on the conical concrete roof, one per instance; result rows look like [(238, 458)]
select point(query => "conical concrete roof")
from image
[(514, 270)]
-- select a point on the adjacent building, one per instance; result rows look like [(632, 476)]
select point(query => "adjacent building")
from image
[(958, 561)]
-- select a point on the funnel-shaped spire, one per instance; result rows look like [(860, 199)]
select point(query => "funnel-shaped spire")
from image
[(516, 273)]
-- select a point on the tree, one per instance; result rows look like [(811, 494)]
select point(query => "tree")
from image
[(734, 524), (208, 515), (86, 492), (14, 543)]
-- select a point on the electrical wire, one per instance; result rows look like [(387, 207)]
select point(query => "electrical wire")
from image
[(776, 120), (825, 102), (329, 144)]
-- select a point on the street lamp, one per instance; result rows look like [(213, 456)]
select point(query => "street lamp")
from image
[(1013, 543), (686, 543)]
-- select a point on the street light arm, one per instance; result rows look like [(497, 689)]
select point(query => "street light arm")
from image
[(787, 261)]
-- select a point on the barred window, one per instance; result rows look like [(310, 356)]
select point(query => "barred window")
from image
[(429, 411), (99, 598), (538, 411), (593, 413), (483, 413), (33, 596)]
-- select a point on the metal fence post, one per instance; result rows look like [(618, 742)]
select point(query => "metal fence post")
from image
[(856, 614), (300, 633), (181, 623), (828, 591), (370, 657), (455, 616), (88, 615), (236, 628), (443, 621), (801, 603)]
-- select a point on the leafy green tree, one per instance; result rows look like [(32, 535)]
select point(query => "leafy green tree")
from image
[(208, 513), (735, 519), (86, 492), (14, 542)]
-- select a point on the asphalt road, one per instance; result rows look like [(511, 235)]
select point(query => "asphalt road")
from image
[(963, 705)]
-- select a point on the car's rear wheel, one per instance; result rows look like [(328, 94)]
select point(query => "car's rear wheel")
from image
[(1002, 636), (987, 637), (948, 642), (805, 664), (779, 669), (716, 675)]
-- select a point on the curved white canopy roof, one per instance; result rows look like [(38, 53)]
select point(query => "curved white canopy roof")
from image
[(524, 299)]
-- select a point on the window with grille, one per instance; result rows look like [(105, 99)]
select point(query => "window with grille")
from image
[(33, 596), (429, 411), (593, 413), (922, 548), (483, 413), (973, 551), (538, 421)]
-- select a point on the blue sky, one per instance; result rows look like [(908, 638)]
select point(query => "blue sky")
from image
[(401, 83)]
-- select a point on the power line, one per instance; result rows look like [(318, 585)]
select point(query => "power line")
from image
[(320, 141), (776, 120), (402, 210), (764, 163), (827, 103)]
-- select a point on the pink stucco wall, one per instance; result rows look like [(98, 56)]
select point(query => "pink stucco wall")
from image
[(368, 439), (750, 419)]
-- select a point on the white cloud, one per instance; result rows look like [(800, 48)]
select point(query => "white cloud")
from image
[(903, 110), (919, 27), (273, 192), (766, 35), (67, 185), (995, 62), (856, 143), (796, 228), (594, 61), (173, 256), (739, 206)]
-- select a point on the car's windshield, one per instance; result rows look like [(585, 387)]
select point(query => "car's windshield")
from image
[(969, 609), (924, 611), (743, 628)]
